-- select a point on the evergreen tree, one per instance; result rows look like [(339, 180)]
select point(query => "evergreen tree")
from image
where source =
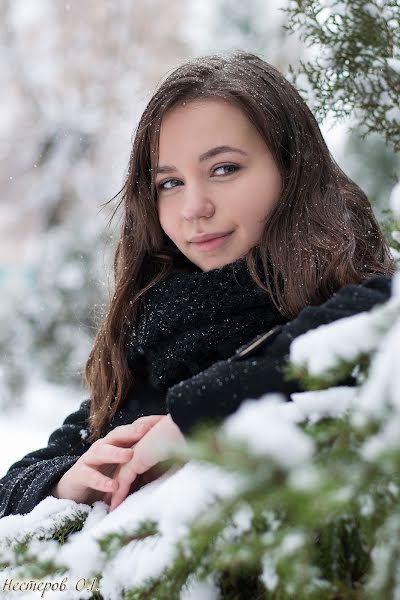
[(356, 70)]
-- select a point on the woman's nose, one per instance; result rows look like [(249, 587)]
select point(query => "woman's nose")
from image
[(196, 203)]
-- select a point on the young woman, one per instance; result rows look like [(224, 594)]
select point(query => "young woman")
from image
[(240, 233)]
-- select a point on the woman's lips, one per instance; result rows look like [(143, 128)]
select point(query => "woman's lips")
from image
[(211, 244)]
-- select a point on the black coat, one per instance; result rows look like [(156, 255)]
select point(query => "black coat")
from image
[(212, 394)]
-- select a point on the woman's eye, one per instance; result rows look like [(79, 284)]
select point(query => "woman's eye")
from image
[(232, 168), (163, 184)]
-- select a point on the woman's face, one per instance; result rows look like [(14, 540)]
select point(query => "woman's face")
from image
[(204, 187)]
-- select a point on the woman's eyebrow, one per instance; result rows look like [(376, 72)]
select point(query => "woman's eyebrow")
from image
[(205, 156)]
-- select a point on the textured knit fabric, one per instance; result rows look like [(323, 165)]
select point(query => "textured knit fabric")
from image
[(215, 383), (191, 320), (28, 480)]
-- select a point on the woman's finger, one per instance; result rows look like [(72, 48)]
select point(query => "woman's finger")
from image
[(128, 473), (148, 452), (132, 432), (141, 462), (119, 494), (140, 481), (108, 454), (97, 481)]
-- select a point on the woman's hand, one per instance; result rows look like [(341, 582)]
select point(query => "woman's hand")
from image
[(148, 451), (89, 478)]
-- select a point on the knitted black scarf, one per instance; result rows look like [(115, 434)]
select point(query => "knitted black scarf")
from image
[(191, 320)]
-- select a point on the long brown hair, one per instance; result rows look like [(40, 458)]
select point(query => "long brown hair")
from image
[(321, 236)]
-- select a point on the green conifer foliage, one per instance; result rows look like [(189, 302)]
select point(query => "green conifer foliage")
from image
[(356, 69)]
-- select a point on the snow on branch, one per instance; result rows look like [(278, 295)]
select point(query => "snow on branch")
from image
[(298, 498)]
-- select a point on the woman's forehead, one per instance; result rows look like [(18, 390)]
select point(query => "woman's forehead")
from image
[(195, 128)]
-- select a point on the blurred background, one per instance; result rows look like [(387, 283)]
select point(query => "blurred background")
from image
[(75, 78)]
